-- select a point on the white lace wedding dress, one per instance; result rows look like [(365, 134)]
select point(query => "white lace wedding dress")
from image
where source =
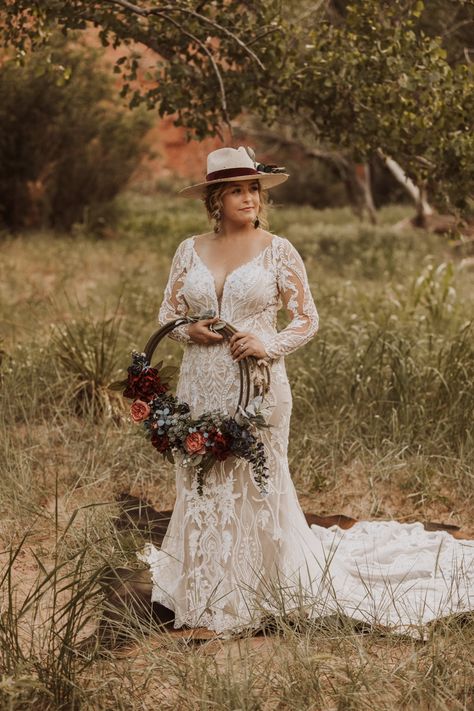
[(231, 556)]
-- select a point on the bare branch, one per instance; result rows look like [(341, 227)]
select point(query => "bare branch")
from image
[(454, 28), (223, 29), (336, 158), (400, 175), (165, 9), (130, 6), (262, 35), (207, 51)]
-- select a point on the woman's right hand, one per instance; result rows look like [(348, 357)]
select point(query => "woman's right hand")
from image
[(199, 332)]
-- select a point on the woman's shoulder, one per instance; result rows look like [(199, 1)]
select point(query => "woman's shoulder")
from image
[(204, 237), (283, 243), (186, 243), (286, 254), (183, 251)]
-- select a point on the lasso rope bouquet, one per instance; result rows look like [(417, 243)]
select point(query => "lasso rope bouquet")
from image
[(213, 436)]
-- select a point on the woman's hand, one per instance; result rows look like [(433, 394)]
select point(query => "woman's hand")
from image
[(243, 344), (199, 332)]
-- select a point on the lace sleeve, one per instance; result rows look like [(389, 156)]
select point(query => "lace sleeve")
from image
[(298, 301), (174, 305)]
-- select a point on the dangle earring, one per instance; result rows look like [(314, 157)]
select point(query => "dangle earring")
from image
[(256, 222), (217, 217)]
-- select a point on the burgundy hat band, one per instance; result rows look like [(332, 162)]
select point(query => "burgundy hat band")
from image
[(231, 173)]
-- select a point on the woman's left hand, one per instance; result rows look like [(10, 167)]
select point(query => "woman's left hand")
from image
[(243, 344)]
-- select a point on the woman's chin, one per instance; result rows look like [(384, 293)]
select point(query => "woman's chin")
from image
[(247, 220), (241, 221)]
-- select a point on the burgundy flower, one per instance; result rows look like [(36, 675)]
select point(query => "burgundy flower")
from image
[(144, 386), (195, 443), (160, 442), (139, 411), (220, 446)]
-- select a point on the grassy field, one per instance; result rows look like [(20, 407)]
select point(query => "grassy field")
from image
[(381, 428)]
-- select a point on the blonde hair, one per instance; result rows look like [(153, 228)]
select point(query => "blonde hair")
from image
[(214, 204)]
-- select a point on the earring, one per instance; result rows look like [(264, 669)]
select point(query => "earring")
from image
[(217, 218), (256, 223)]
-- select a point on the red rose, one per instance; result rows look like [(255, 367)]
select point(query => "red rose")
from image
[(195, 443), (145, 385), (160, 442), (139, 411), (220, 446)]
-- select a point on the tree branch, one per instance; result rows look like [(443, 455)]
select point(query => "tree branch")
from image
[(207, 51), (166, 9), (412, 189)]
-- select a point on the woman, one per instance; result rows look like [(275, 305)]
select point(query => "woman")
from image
[(232, 555)]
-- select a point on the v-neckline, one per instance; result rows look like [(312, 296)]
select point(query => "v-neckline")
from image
[(229, 274)]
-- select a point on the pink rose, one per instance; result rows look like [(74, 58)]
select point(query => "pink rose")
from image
[(139, 410), (195, 443)]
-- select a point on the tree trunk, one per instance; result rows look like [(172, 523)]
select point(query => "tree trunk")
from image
[(362, 176), (418, 195)]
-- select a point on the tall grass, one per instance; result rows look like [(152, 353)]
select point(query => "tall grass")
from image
[(40, 627), (381, 426), (88, 352), (392, 371)]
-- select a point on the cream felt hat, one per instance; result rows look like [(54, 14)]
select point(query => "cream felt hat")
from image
[(234, 164)]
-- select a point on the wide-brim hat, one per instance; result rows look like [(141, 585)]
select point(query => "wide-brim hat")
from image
[(227, 165)]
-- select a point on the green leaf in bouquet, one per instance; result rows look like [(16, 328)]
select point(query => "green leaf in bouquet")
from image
[(206, 463), (169, 456), (168, 372), (261, 424), (118, 385)]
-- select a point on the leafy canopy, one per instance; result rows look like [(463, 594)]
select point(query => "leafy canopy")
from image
[(362, 75)]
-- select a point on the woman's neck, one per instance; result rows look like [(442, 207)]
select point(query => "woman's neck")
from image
[(235, 231)]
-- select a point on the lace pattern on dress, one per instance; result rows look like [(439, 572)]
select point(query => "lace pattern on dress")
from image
[(227, 542), (294, 290), (174, 305), (291, 282)]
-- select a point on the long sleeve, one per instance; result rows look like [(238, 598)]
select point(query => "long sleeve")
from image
[(296, 297), (174, 305)]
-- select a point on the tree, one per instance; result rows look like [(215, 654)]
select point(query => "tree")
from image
[(364, 77), (66, 145), (375, 81), (203, 49)]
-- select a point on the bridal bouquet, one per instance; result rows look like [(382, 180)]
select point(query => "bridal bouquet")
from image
[(198, 442)]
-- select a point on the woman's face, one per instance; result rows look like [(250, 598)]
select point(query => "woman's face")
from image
[(241, 201)]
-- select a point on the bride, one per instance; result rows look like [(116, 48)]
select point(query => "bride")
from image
[(233, 556)]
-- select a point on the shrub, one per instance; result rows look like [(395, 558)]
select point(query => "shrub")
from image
[(88, 351), (66, 145)]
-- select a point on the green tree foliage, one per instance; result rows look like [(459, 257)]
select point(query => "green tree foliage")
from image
[(207, 52), (66, 148), (365, 76), (375, 80)]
